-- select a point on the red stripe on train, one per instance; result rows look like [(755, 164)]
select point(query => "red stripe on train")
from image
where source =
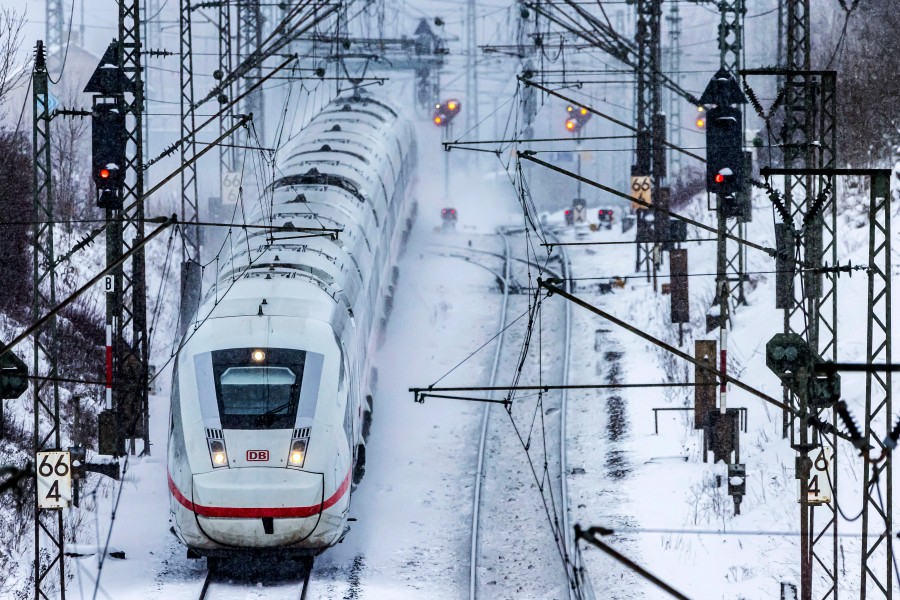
[(234, 512)]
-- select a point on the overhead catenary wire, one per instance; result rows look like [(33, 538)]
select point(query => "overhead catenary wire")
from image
[(770, 251), (713, 370)]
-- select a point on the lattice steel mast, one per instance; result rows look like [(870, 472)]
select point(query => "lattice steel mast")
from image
[(877, 553), (249, 39), (731, 45), (472, 67), (189, 207), (226, 154), (809, 141), (650, 122), (131, 354), (674, 55), (54, 26), (49, 536)]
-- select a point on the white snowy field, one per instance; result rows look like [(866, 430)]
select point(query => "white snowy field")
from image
[(654, 489)]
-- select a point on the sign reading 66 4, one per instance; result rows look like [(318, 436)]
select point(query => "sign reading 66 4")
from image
[(641, 189), (820, 491), (231, 187), (54, 479)]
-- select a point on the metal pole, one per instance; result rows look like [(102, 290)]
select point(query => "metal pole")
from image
[(54, 27), (49, 536), (249, 38), (472, 66), (877, 553), (189, 204), (131, 356)]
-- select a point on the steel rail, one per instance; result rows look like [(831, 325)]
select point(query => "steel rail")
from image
[(568, 548), (304, 589), (485, 419)]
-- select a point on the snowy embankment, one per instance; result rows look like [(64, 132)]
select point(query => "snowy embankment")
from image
[(654, 489)]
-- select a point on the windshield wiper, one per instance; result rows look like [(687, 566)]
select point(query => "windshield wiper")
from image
[(271, 412)]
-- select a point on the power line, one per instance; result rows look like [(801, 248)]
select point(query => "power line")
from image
[(591, 535)]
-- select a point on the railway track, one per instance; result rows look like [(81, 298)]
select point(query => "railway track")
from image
[(498, 568), (221, 587)]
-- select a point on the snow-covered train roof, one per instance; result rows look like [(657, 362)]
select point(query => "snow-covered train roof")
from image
[(341, 171)]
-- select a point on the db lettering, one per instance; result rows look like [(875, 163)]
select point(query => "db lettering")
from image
[(257, 455)]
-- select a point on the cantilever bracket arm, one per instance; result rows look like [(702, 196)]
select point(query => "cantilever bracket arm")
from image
[(419, 394)]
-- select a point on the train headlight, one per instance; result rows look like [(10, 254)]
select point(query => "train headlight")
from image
[(258, 356), (217, 453), (297, 456)]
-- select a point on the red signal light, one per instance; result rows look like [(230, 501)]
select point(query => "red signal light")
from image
[(720, 178), (104, 173)]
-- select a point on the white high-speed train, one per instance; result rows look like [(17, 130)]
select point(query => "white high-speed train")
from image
[(271, 394)]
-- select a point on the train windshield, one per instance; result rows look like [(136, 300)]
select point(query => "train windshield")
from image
[(258, 388)]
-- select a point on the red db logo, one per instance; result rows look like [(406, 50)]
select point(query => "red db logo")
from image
[(257, 455)]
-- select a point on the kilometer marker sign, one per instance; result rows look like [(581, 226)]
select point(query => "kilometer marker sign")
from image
[(54, 479)]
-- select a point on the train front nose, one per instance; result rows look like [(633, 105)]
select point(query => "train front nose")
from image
[(258, 507)]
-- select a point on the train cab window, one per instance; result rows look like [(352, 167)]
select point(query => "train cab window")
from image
[(258, 388)]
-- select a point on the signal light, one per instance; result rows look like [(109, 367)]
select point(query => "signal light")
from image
[(444, 113), (579, 116), (724, 151), (701, 118), (108, 160)]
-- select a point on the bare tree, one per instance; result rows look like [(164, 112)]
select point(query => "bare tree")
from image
[(863, 49), (71, 180), (13, 67)]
